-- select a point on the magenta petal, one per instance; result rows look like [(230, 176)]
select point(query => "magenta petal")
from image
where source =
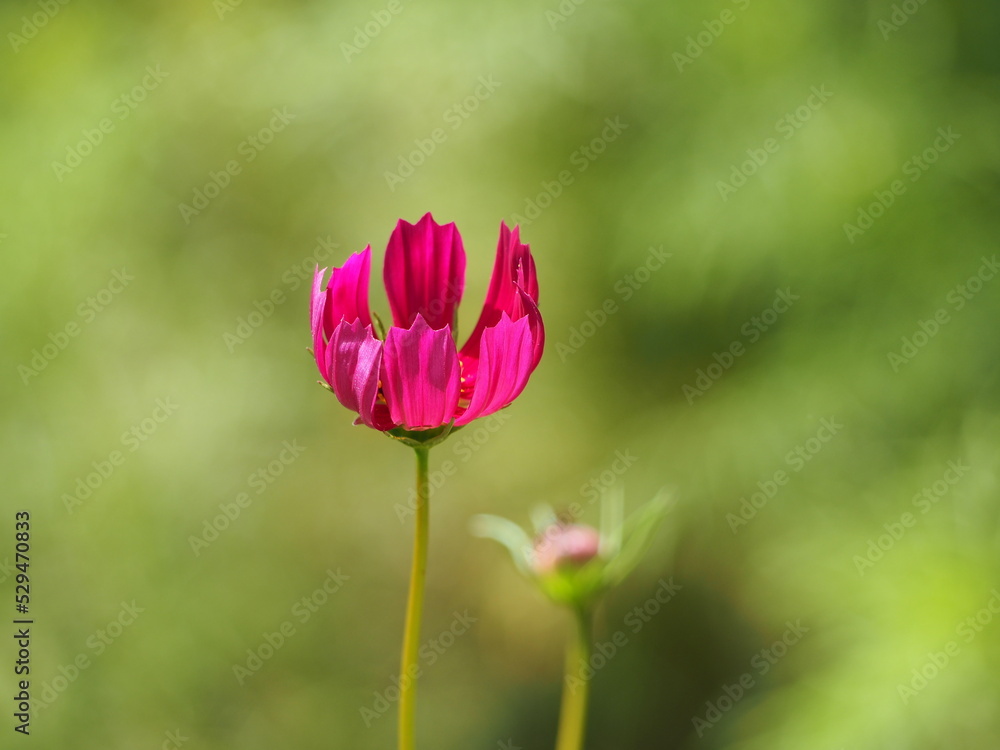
[(380, 418), (354, 361), (420, 377), (347, 292), (424, 272), (513, 288), (525, 310), (523, 263), (534, 317), (506, 359), (316, 306)]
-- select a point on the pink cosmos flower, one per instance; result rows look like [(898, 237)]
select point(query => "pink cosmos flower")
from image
[(415, 377)]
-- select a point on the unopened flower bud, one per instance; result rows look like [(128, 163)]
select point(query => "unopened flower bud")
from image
[(565, 546)]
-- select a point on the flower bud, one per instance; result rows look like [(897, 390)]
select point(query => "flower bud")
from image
[(563, 546)]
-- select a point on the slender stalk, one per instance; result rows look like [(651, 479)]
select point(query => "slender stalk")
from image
[(410, 668), (573, 714)]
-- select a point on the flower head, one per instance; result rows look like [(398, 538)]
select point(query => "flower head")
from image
[(414, 381), (573, 563)]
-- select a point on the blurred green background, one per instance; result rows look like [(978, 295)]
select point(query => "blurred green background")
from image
[(746, 136)]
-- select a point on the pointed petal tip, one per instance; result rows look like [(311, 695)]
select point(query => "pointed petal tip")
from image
[(346, 294), (421, 377), (514, 231), (424, 272), (354, 360), (505, 362)]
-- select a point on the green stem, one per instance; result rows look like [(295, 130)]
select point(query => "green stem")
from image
[(410, 667), (573, 714)]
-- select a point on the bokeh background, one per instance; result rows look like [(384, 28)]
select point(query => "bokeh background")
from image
[(114, 117)]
